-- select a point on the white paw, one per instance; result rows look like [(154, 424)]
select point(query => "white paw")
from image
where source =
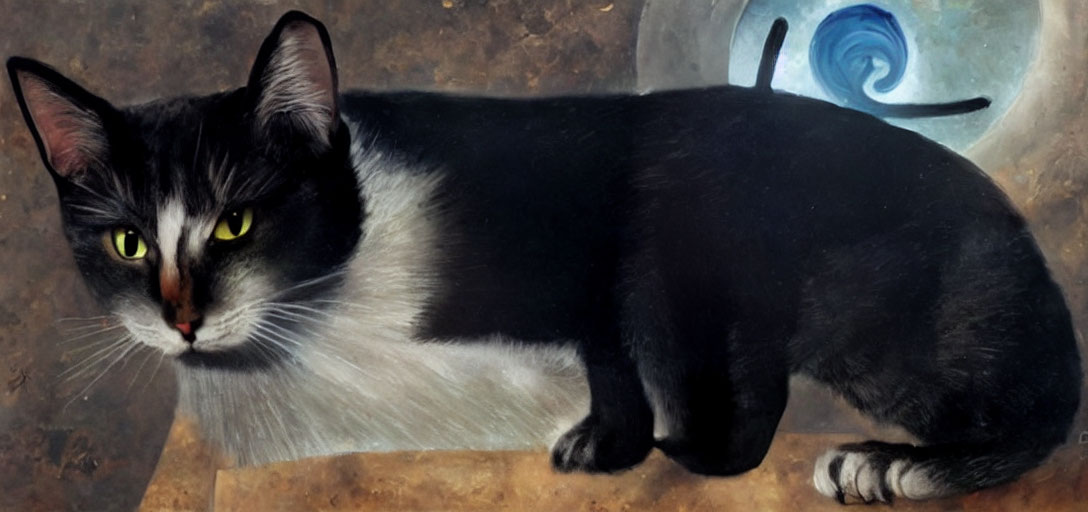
[(911, 482), (849, 477), (868, 476), (821, 477)]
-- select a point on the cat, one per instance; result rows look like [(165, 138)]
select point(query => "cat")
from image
[(376, 271)]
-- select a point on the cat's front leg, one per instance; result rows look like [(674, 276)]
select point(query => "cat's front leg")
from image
[(725, 404), (618, 432)]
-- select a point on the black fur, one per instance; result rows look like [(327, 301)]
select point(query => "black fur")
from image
[(698, 246), (771, 47), (734, 238)]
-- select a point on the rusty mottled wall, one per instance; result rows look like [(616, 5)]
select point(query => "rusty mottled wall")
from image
[(99, 451), (1038, 154)]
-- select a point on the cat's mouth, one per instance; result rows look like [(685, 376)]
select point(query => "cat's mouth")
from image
[(247, 356)]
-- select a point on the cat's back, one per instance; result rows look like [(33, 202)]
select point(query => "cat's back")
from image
[(809, 171), (797, 174)]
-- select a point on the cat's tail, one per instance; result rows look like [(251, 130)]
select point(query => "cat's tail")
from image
[(909, 110), (841, 61), (876, 471), (771, 47), (843, 53)]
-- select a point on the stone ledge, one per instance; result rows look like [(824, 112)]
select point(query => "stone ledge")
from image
[(519, 481)]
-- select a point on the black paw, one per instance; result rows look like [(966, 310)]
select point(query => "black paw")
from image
[(594, 446), (710, 459)]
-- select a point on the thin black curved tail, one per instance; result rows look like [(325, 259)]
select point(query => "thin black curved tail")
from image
[(773, 46), (911, 110)]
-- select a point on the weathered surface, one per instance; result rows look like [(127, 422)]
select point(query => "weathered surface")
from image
[(519, 481), (184, 478), (1038, 154)]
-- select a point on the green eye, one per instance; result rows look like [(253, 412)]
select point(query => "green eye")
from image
[(234, 224), (129, 244)]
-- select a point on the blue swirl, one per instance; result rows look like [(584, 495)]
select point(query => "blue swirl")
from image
[(844, 48)]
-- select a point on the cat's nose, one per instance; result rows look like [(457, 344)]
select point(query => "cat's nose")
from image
[(188, 328), (184, 317), (178, 308)]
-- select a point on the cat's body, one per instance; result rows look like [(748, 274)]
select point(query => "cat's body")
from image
[(450, 272)]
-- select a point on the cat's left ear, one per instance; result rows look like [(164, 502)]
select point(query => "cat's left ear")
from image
[(68, 123), (293, 83)]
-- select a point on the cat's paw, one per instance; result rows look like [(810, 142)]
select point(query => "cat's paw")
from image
[(710, 458), (866, 475), (595, 446)]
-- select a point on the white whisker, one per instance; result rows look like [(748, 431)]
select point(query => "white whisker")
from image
[(83, 318), (93, 359), (267, 353), (150, 354), (269, 332), (154, 372), (308, 283), (100, 375), (294, 318), (300, 307), (345, 304), (89, 343), (92, 210), (80, 328), (92, 333)]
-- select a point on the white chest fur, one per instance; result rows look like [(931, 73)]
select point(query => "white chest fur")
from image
[(358, 382)]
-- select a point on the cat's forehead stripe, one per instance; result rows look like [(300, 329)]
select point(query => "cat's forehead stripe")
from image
[(199, 230), (174, 223), (171, 222)]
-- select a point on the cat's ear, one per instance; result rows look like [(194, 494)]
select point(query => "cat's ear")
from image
[(293, 82), (68, 123)]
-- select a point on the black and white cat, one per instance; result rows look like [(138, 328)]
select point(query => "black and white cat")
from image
[(377, 271)]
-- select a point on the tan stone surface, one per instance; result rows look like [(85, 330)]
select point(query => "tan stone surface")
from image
[(519, 481), (184, 478)]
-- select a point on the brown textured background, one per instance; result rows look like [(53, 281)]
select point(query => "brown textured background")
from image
[(98, 452)]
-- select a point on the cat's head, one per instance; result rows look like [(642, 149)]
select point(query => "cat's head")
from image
[(206, 225)]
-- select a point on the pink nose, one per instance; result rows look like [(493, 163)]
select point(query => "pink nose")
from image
[(185, 328)]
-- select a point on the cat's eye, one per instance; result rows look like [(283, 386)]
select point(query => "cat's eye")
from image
[(234, 224), (129, 244)]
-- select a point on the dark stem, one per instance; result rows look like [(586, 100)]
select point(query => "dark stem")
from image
[(770, 54)]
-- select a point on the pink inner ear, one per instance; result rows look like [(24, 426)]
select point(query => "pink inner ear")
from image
[(72, 136), (312, 59), (298, 81)]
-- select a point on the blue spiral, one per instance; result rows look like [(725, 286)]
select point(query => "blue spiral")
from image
[(843, 50)]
